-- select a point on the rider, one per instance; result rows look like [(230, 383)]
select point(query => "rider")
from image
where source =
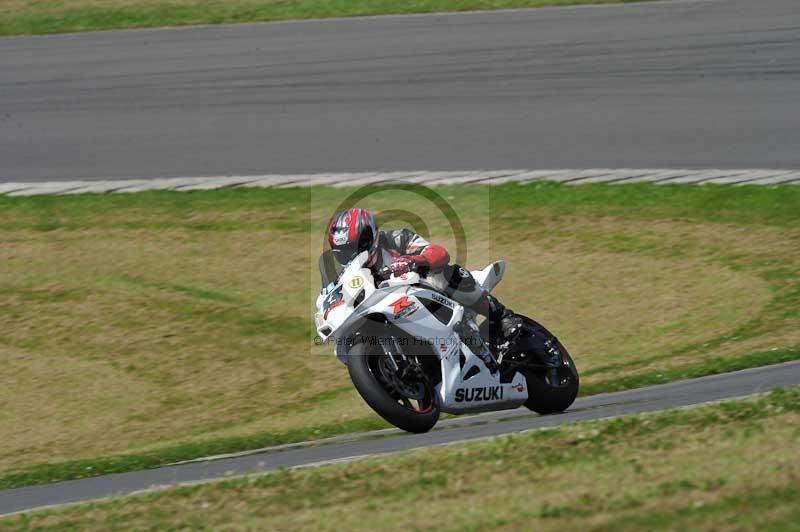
[(401, 250)]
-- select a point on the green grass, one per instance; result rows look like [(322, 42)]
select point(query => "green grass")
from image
[(23, 17), (142, 329), (77, 469), (712, 366), (728, 466)]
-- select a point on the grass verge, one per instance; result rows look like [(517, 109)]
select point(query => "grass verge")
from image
[(23, 17), (168, 330), (719, 467)]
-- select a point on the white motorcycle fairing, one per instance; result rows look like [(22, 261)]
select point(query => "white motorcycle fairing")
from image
[(429, 319)]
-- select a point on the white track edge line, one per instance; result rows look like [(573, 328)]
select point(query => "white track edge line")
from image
[(484, 177)]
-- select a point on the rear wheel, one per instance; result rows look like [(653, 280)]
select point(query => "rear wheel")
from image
[(552, 378), (553, 390), (404, 397)]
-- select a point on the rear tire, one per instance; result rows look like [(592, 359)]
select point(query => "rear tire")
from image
[(544, 395), (371, 390)]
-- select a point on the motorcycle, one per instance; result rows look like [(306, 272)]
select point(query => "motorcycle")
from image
[(412, 352)]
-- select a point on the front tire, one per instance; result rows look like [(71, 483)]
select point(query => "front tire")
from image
[(367, 374)]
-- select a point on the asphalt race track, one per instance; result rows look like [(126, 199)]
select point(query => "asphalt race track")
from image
[(685, 84), (676, 394)]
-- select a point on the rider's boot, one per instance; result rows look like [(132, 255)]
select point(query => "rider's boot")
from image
[(489, 361), (472, 338), (504, 324)]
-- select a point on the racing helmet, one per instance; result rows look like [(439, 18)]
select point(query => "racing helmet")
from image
[(351, 232)]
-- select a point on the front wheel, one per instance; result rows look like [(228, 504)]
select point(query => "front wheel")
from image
[(410, 403)]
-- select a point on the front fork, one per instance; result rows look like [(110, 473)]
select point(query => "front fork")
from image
[(403, 367), (390, 353)]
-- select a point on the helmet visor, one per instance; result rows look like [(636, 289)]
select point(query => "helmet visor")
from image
[(344, 253)]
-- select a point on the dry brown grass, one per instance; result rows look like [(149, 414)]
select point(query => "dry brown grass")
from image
[(146, 361), (671, 284), (121, 337)]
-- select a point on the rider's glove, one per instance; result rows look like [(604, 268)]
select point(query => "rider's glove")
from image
[(399, 267), (406, 263)]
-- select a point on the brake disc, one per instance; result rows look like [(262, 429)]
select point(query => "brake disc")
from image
[(411, 390)]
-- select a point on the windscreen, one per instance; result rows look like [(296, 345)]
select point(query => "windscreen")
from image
[(329, 268)]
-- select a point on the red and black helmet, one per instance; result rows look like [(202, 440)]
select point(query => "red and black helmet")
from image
[(351, 232)]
